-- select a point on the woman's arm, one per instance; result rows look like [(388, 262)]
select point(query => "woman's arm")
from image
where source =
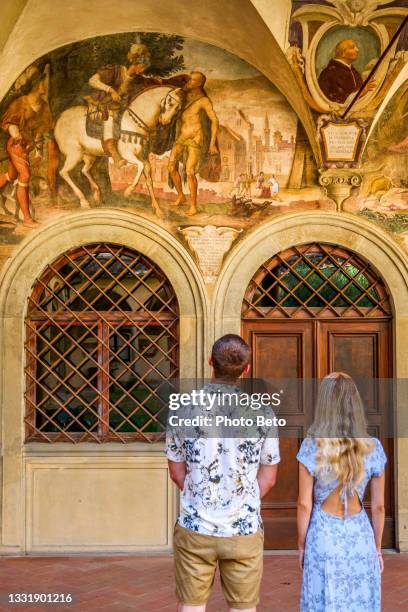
[(378, 511), (304, 508)]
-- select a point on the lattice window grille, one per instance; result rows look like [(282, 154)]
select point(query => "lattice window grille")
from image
[(316, 280), (101, 347)]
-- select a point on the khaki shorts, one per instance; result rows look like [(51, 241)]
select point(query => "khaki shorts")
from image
[(240, 560)]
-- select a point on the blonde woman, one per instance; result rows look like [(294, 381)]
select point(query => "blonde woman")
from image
[(339, 550)]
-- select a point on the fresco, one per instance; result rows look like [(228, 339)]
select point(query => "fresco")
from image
[(171, 128), (346, 54), (383, 196), (195, 139), (352, 53)]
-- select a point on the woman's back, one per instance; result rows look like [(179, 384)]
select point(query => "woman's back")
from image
[(334, 503), (339, 548), (327, 491), (340, 544)]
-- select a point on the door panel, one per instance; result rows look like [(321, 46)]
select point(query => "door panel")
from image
[(362, 349), (306, 349), (284, 350), (359, 347)]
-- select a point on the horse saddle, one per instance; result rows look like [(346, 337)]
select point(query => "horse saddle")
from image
[(95, 118)]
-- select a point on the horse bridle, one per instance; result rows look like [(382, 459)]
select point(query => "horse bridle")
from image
[(139, 121)]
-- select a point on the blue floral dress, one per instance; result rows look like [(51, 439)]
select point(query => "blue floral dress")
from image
[(341, 568)]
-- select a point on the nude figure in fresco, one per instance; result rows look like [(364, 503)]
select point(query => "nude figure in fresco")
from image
[(196, 142)]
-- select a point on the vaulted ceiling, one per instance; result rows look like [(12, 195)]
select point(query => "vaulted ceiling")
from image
[(256, 31), (35, 27)]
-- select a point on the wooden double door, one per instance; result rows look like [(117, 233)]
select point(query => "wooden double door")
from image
[(309, 349)]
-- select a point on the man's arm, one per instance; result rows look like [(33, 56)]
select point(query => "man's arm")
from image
[(12, 118), (96, 82), (179, 80), (267, 476), (269, 459), (177, 471), (208, 107), (176, 458)]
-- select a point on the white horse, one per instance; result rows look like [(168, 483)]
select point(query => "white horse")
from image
[(153, 107)]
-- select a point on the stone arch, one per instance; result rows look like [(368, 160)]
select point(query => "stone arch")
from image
[(18, 276), (360, 236), (346, 230)]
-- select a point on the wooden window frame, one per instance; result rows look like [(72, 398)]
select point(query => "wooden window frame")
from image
[(101, 325)]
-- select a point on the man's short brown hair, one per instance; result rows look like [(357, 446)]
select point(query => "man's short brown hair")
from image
[(230, 355)]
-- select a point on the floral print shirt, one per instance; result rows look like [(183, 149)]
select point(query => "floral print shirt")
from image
[(221, 492)]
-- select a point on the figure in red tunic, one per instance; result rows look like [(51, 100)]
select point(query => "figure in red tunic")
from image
[(28, 122)]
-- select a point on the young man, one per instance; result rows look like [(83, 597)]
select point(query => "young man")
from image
[(114, 86), (222, 482)]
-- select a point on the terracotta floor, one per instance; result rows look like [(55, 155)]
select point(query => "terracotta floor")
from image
[(145, 584)]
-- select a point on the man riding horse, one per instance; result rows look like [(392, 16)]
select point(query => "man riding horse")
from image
[(115, 86)]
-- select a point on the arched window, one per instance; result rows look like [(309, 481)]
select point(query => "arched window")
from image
[(101, 347), (316, 280)]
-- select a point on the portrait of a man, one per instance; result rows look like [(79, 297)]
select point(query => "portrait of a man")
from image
[(340, 79)]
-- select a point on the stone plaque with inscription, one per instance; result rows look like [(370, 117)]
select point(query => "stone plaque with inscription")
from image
[(341, 141), (209, 244)]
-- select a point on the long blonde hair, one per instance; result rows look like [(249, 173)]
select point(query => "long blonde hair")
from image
[(340, 429)]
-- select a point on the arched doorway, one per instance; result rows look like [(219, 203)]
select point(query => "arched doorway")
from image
[(309, 310)]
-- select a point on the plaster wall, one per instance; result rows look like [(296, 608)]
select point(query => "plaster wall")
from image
[(59, 498), (34, 473), (78, 480), (276, 15)]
